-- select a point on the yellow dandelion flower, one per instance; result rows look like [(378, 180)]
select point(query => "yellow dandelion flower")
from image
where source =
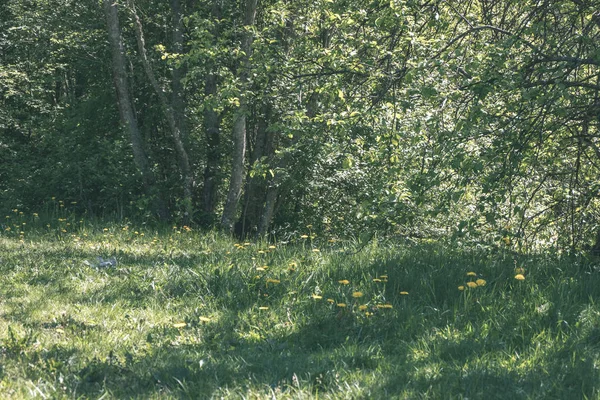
[(404, 293), (317, 297), (246, 243), (383, 276), (204, 319), (341, 305), (330, 301), (357, 294), (471, 285), (461, 288), (272, 247), (362, 307), (520, 277), (377, 280), (344, 282), (263, 308), (260, 269), (179, 325), (304, 236), (261, 252), (480, 282), (273, 281), (388, 306), (316, 250), (471, 273)]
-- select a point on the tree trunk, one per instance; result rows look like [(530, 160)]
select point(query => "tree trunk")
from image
[(213, 152), (126, 107), (256, 186), (212, 124), (596, 248), (178, 100), (237, 168), (174, 125), (267, 214), (239, 124)]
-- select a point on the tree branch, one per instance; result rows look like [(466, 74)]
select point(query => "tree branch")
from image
[(487, 27)]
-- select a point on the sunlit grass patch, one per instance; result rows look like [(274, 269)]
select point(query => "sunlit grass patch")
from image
[(185, 313)]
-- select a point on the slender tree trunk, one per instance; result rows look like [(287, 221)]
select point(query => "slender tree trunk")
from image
[(212, 124), (178, 100), (213, 153), (239, 125), (237, 168), (126, 107), (178, 103), (174, 126)]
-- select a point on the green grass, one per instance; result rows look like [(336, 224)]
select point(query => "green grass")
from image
[(69, 330)]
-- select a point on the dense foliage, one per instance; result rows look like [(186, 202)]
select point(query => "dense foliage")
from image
[(474, 120)]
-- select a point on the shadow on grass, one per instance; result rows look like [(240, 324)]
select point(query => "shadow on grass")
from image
[(318, 354)]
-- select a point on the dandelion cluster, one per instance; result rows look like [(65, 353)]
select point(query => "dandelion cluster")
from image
[(472, 284)]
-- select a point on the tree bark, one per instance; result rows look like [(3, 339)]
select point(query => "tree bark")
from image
[(212, 124), (174, 124), (126, 107), (255, 189), (269, 209), (237, 168), (178, 99), (239, 124), (213, 154)]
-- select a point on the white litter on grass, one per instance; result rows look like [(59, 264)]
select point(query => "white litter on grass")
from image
[(102, 263)]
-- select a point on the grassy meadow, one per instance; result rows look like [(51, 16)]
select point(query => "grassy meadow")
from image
[(185, 314)]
